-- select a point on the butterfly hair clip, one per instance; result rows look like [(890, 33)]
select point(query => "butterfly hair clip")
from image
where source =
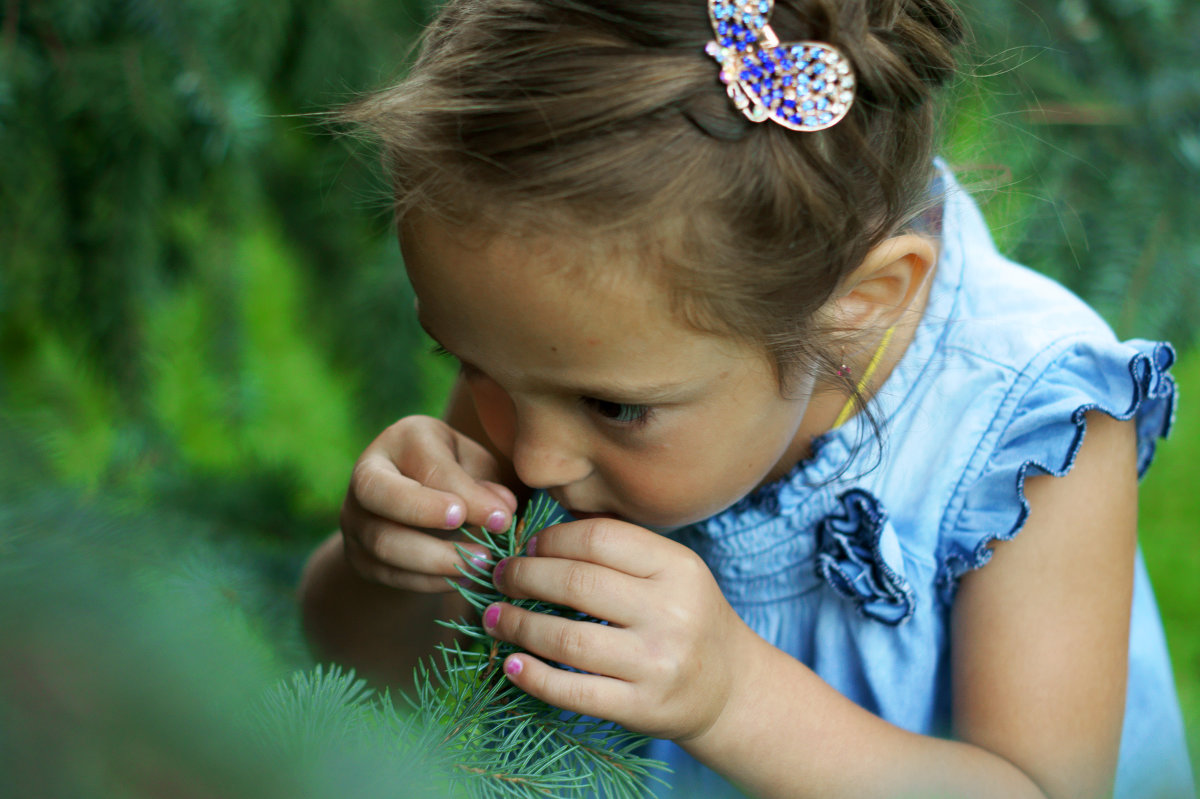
[(806, 86)]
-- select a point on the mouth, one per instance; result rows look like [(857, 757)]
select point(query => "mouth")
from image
[(581, 515)]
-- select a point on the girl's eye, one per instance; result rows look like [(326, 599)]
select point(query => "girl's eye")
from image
[(618, 411), (466, 368)]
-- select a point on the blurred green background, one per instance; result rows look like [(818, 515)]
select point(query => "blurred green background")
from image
[(203, 318)]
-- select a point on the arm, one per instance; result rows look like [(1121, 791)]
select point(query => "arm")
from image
[(1039, 660), (370, 594), (1042, 642), (1040, 645)]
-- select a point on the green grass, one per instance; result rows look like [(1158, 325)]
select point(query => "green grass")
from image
[(1169, 518)]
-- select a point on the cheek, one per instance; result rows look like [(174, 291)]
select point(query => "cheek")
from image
[(496, 412), (705, 468), (667, 486)]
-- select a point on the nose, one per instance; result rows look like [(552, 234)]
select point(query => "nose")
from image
[(548, 451)]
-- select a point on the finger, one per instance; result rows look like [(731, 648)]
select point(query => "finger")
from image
[(379, 488), (370, 569), (474, 477), (590, 694), (586, 645), (481, 465), (419, 480), (617, 545), (596, 590), (504, 493), (400, 547)]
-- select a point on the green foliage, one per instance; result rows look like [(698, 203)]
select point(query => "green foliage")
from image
[(505, 741), (222, 413), (1083, 118), (183, 249), (130, 659), (138, 665), (470, 726)]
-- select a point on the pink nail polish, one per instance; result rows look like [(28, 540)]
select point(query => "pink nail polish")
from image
[(513, 667), (495, 522), (480, 563), (455, 516), (531, 547), (499, 571), (491, 616)]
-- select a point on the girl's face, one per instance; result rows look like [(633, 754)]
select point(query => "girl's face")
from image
[(593, 389)]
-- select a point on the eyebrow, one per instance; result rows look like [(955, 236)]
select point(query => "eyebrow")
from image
[(613, 392)]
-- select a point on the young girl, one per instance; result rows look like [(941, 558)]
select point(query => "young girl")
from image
[(856, 495)]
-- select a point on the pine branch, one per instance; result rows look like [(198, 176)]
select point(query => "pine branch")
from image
[(493, 738), (467, 728)]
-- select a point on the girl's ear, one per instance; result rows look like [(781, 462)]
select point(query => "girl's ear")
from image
[(885, 284)]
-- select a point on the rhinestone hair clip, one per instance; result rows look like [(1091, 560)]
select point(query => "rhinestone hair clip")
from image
[(806, 86)]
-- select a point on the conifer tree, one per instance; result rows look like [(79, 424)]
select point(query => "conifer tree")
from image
[(1085, 118)]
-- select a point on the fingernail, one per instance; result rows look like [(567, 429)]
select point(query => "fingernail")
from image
[(491, 616), (480, 563), (498, 571), (455, 516), (513, 667), (495, 522), (531, 547)]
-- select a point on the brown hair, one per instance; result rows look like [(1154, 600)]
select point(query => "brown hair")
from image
[(605, 119)]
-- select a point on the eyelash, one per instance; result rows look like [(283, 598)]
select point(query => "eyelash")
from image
[(442, 352), (620, 413)]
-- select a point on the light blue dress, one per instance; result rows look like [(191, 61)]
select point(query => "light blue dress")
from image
[(850, 563)]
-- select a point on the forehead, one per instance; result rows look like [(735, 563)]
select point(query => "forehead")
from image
[(532, 270), (554, 309)]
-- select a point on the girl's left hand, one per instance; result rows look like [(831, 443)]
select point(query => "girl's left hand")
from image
[(667, 661)]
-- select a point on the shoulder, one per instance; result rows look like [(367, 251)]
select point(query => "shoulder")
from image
[(1000, 310), (1005, 371), (1001, 340), (1022, 352)]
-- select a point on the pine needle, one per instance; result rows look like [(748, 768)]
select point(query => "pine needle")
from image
[(509, 743)]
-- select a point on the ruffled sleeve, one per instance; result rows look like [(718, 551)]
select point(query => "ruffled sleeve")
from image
[(1039, 430)]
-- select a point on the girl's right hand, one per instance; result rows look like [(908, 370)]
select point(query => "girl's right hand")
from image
[(411, 489)]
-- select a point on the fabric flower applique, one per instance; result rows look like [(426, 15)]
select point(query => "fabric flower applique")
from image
[(850, 558)]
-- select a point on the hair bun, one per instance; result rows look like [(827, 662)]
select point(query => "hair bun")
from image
[(903, 50), (935, 22)]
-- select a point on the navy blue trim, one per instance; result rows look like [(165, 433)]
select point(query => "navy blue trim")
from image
[(1151, 381)]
